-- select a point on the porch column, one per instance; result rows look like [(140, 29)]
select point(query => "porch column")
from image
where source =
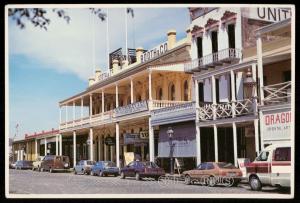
[(196, 93), (131, 90), (198, 145), (36, 149), (216, 142), (233, 97), (117, 145), (56, 145), (66, 115), (74, 148), (151, 141), (261, 130), (150, 84), (256, 136), (111, 153), (214, 99), (91, 145), (234, 143), (81, 108), (91, 106), (260, 68), (45, 146), (102, 102), (60, 144), (117, 96)]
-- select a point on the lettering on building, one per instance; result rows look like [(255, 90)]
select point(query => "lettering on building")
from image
[(155, 52)]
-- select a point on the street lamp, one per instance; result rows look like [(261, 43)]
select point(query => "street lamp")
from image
[(170, 133), (249, 84)]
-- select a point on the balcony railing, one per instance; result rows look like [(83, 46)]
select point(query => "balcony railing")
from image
[(157, 104), (185, 106), (208, 111), (131, 108), (229, 55), (277, 93)]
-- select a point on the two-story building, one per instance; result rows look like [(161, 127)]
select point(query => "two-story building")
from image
[(113, 115), (238, 78)]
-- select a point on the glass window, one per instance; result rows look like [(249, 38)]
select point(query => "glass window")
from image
[(226, 165), (202, 166), (283, 154), (209, 166), (263, 156), (109, 164)]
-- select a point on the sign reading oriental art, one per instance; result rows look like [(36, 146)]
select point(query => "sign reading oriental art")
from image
[(277, 126), (131, 108), (155, 52)]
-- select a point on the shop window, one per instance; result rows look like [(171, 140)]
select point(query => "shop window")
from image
[(199, 47), (214, 41), (283, 154), (186, 91), (172, 92), (231, 35), (159, 94)]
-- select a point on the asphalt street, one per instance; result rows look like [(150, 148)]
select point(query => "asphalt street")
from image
[(32, 182)]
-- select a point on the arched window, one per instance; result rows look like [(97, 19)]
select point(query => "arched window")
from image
[(186, 91), (138, 98), (172, 92), (159, 93)]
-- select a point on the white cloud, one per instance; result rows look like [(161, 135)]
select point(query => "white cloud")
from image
[(68, 47)]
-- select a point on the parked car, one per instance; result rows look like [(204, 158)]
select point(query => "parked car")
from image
[(23, 164), (104, 168), (84, 167), (213, 173), (272, 167), (12, 165), (140, 170), (36, 165), (53, 163)]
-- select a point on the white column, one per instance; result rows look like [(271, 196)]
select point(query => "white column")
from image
[(150, 84), (216, 142), (91, 144), (117, 96), (36, 149), (59, 114), (256, 136), (198, 145), (45, 146), (81, 108), (56, 145), (151, 141), (99, 148), (66, 115), (260, 68), (233, 97), (214, 98), (196, 93), (60, 144), (235, 143), (102, 102), (261, 130), (73, 113), (131, 90), (91, 106), (74, 148), (117, 145)]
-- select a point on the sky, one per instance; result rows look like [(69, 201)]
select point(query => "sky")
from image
[(46, 67)]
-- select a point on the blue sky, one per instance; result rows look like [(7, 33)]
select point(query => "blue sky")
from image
[(48, 66)]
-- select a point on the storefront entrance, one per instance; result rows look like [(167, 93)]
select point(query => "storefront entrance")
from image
[(225, 144), (207, 144)]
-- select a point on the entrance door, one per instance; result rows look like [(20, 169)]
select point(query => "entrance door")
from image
[(225, 144), (207, 144)]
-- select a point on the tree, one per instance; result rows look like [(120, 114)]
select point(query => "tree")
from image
[(38, 16)]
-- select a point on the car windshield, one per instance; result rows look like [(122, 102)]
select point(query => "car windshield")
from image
[(226, 165), (109, 164)]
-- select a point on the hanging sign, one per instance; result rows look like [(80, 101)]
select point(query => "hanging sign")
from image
[(110, 141), (144, 134)]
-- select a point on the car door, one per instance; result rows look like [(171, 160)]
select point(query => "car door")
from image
[(263, 166), (130, 169), (78, 166), (200, 173)]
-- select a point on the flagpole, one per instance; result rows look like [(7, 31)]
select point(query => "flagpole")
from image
[(107, 40), (126, 45), (93, 41)]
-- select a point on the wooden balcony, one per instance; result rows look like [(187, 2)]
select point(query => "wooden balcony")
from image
[(277, 94), (220, 58)]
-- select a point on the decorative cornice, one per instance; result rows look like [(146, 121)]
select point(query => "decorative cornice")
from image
[(228, 16), (211, 23)]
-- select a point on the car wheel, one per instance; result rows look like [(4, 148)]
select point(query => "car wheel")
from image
[(211, 181), (75, 172), (255, 183), (137, 176), (101, 174), (51, 170), (122, 175), (187, 180)]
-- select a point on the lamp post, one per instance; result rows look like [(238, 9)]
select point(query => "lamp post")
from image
[(249, 84), (170, 133)]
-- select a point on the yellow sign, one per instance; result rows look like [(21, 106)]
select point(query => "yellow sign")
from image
[(128, 157)]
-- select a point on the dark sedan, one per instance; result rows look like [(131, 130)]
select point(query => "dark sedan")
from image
[(23, 164), (140, 170), (104, 168)]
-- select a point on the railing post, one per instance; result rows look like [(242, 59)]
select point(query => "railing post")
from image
[(260, 68), (233, 97), (213, 86)]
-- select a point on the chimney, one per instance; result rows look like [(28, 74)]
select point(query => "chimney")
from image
[(91, 81), (115, 64), (171, 39), (97, 74), (139, 53), (188, 35)]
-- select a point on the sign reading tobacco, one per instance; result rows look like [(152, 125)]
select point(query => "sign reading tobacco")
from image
[(155, 52)]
